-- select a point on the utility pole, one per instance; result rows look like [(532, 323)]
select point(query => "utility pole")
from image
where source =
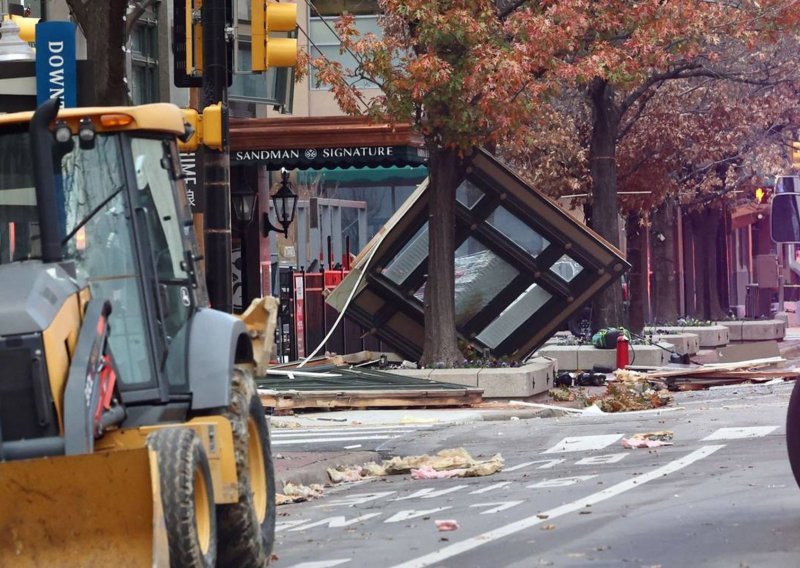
[(216, 163)]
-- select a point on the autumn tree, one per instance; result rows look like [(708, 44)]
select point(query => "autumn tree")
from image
[(617, 51), (448, 67)]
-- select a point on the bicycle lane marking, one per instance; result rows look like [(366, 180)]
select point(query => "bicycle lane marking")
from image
[(490, 536)]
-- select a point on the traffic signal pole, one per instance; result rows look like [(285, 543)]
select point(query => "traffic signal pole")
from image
[(216, 163)]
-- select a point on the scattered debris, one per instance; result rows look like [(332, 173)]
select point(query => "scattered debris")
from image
[(562, 394), (648, 440), (293, 493), (447, 463), (279, 424), (447, 525), (629, 394), (548, 527)]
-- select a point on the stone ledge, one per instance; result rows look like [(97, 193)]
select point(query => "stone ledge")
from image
[(755, 330), (535, 376), (586, 357), (708, 335), (683, 343)]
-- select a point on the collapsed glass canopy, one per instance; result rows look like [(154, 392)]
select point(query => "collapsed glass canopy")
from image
[(523, 266)]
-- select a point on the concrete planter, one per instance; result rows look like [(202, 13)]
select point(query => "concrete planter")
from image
[(586, 357), (683, 343), (535, 376), (757, 330), (708, 335)]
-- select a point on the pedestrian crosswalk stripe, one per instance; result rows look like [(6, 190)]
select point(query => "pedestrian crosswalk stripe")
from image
[(583, 443), (277, 431), (739, 433), (340, 432)]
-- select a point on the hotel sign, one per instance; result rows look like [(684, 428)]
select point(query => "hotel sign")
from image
[(329, 157)]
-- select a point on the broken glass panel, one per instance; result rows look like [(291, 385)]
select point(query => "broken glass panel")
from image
[(409, 258), (567, 268), (517, 231), (517, 312), (468, 194), (480, 276)]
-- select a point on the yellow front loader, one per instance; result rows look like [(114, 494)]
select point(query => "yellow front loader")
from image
[(131, 433)]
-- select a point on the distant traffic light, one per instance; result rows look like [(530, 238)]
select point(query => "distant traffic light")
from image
[(267, 17)]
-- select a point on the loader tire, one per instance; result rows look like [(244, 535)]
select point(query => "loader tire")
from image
[(793, 432), (187, 497), (247, 528)]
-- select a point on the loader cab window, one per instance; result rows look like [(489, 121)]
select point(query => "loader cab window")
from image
[(169, 239), (98, 238), (19, 227)]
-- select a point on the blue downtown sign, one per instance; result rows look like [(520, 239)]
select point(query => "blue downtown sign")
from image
[(56, 74)]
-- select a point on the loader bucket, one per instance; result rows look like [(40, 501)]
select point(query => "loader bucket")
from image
[(90, 510)]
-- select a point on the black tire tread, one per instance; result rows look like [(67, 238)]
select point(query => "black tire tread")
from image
[(793, 432), (243, 542), (180, 452)]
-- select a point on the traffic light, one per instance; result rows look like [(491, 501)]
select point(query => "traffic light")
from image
[(796, 155), (27, 27), (267, 17), (208, 128)]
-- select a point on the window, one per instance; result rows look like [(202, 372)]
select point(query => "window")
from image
[(324, 40), (144, 61)]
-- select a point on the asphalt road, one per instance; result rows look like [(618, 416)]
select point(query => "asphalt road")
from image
[(571, 495)]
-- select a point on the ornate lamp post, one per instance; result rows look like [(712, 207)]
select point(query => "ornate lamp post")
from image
[(284, 202)]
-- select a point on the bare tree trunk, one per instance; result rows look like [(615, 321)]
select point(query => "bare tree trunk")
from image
[(103, 24), (689, 268), (637, 256), (665, 288), (441, 346), (706, 227), (607, 307)]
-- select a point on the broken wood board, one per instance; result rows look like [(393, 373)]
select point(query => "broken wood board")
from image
[(294, 400), (714, 368), (342, 387)]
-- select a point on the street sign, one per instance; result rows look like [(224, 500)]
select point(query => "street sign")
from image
[(56, 74)]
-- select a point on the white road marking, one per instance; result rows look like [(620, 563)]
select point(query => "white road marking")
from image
[(284, 525), (499, 506), (322, 563), (281, 442), (429, 493), (491, 487), (598, 460), (411, 514), (354, 446), (339, 430), (560, 482), (357, 499), (583, 443), (547, 464), (335, 522), (740, 433), (506, 530)]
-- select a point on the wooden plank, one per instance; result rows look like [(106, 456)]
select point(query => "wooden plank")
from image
[(288, 401)]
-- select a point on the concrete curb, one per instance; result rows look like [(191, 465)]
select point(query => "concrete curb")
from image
[(313, 468)]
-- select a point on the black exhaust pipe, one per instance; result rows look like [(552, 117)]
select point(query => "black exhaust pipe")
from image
[(42, 147)]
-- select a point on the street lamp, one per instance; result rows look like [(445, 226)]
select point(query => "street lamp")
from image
[(244, 201), (284, 201)]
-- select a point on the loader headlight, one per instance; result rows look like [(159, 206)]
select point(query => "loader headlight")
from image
[(86, 133), (62, 133)]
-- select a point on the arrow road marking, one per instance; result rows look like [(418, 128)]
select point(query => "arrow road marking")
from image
[(547, 464), (491, 487), (506, 530), (583, 443), (500, 506), (739, 433), (322, 563)]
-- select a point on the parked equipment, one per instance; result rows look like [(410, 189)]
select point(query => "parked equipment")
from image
[(125, 406)]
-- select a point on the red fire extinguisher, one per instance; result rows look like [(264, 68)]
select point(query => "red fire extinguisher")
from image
[(622, 351)]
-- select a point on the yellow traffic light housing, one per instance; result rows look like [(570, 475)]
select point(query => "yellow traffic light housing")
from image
[(213, 127), (194, 37), (207, 128), (267, 17), (796, 154)]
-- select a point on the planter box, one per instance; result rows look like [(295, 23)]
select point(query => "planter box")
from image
[(683, 343), (708, 335), (535, 376), (756, 330), (566, 356)]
